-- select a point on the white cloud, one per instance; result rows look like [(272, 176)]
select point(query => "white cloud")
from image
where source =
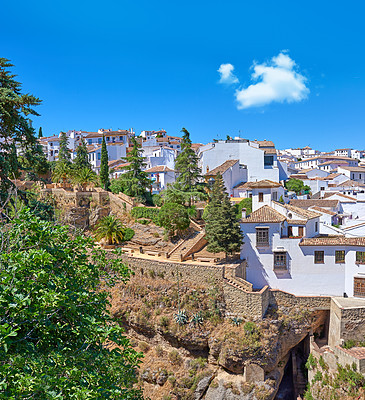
[(277, 81), (227, 75)]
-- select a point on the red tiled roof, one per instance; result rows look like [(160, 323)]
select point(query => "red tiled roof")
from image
[(264, 184), (221, 169), (323, 210), (333, 241), (314, 202), (158, 168), (264, 214)]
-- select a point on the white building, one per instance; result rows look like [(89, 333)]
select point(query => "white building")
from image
[(354, 173), (259, 157), (343, 152), (284, 250), (116, 151), (161, 176)]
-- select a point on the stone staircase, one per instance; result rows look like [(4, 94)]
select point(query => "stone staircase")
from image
[(185, 247)]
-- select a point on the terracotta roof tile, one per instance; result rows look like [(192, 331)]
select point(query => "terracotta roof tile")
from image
[(266, 183), (323, 210), (264, 214), (307, 214), (333, 241), (221, 169), (158, 168), (314, 202), (327, 195)]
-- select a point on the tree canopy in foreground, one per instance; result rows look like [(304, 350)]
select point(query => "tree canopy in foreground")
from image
[(55, 327)]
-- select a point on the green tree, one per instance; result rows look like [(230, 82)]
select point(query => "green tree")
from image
[(62, 172), (135, 182), (110, 229), (40, 133), (296, 185), (174, 218), (19, 148), (104, 166), (222, 227), (244, 203), (186, 167), (81, 160), (84, 176), (56, 330), (64, 155)]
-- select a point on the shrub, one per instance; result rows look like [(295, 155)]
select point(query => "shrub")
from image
[(159, 351), (144, 347), (349, 344), (174, 357), (322, 363), (249, 327), (311, 362), (164, 321), (181, 317), (143, 221), (145, 212), (128, 234), (174, 218)]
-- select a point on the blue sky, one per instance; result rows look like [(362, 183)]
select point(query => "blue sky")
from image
[(154, 64)]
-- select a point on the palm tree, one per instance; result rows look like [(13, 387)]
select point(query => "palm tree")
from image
[(84, 176), (111, 229), (61, 172)]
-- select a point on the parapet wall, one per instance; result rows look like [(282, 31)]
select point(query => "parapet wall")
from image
[(240, 301)]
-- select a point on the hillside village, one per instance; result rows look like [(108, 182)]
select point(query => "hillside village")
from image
[(301, 216)]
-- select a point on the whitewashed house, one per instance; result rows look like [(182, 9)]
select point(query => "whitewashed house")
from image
[(284, 250), (161, 176), (356, 174)]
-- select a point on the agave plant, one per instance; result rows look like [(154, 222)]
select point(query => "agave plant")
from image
[(197, 319), (236, 321), (110, 229), (181, 317)]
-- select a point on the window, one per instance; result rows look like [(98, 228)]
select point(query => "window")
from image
[(268, 160), (280, 260), (262, 236), (300, 231), (261, 197), (99, 156), (322, 187), (319, 257), (339, 256), (360, 257), (121, 138), (316, 227), (359, 287), (51, 144), (107, 138), (290, 231), (100, 140), (275, 196), (90, 141)]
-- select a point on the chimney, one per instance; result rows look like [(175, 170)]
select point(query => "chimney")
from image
[(243, 213)]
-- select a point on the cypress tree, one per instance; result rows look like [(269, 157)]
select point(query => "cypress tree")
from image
[(104, 167), (135, 180), (222, 227), (40, 132), (81, 159), (186, 164), (64, 153)]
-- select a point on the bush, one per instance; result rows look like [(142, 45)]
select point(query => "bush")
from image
[(157, 200), (311, 362), (175, 358), (144, 347), (143, 221), (128, 234), (164, 322), (145, 212), (249, 327), (349, 344), (174, 218)]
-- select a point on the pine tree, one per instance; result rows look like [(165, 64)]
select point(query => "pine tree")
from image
[(187, 169), (40, 132), (81, 159), (15, 130), (104, 167), (64, 153), (222, 227), (135, 180)]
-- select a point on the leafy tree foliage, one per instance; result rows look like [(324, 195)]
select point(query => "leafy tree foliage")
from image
[(135, 182), (84, 176), (222, 228), (16, 131), (55, 326), (187, 169), (244, 203), (62, 172), (111, 229), (64, 155), (174, 218), (81, 160), (296, 185), (104, 167)]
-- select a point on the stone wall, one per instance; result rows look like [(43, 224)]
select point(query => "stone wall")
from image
[(289, 301), (347, 320), (200, 274)]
